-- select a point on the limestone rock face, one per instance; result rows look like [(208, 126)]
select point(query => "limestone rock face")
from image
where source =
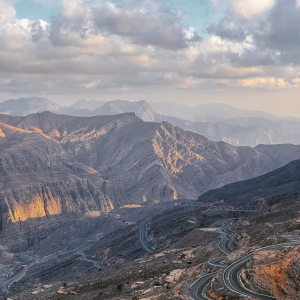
[(59, 165), (39, 179), (279, 271)]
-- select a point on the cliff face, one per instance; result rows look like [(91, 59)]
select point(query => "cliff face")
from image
[(39, 179), (153, 161), (54, 165), (279, 270)]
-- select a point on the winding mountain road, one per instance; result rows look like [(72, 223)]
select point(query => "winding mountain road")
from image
[(144, 237), (230, 277), (226, 237), (97, 264), (231, 273), (197, 289)]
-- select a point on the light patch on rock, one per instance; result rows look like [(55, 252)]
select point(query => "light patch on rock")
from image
[(131, 206), (208, 229), (94, 213), (174, 276), (37, 291)]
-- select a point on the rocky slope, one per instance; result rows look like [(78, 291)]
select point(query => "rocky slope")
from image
[(260, 191), (153, 161), (39, 180), (278, 270), (53, 166)]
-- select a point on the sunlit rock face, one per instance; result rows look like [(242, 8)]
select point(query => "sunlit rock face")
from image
[(278, 270), (56, 165), (40, 180)]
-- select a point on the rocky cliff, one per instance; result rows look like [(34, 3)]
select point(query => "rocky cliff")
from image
[(53, 165)]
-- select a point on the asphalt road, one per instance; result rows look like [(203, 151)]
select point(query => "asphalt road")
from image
[(144, 237), (230, 276), (226, 237), (218, 261), (196, 291)]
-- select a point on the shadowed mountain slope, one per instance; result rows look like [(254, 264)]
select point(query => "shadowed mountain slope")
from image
[(265, 190)]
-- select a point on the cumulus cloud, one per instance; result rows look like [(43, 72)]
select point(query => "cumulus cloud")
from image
[(127, 44), (248, 9), (275, 34), (142, 22)]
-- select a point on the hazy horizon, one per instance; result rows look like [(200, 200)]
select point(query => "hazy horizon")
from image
[(275, 110)]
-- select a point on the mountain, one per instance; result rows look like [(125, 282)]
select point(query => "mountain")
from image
[(78, 190), (239, 131), (26, 106), (141, 108), (207, 111), (81, 108), (80, 165), (86, 104), (265, 190)]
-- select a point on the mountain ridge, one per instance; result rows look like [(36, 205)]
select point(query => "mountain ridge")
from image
[(239, 131)]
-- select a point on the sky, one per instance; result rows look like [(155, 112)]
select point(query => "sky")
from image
[(243, 53)]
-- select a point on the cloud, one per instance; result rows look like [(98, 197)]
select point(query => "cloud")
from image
[(142, 22), (126, 45), (269, 82), (248, 9), (275, 34)]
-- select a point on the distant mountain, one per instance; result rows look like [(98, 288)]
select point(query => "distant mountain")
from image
[(141, 108), (238, 130), (262, 191), (207, 112), (26, 106), (87, 104), (81, 108)]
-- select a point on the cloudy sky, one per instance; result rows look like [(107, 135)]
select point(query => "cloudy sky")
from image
[(241, 52)]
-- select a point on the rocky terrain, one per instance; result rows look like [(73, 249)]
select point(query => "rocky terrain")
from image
[(76, 193), (135, 161), (259, 192), (128, 271), (184, 238)]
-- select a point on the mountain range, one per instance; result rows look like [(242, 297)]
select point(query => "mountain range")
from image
[(79, 195), (218, 122), (56, 165)]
